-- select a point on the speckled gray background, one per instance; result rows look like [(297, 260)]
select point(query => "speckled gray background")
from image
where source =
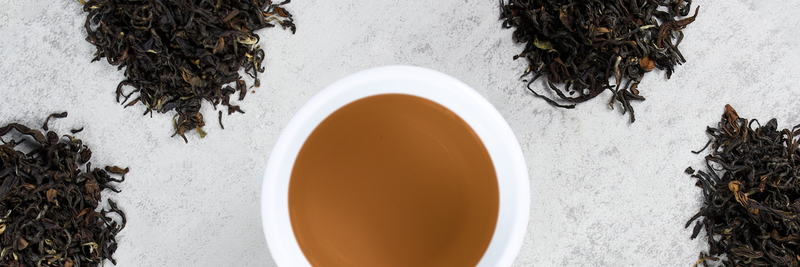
[(603, 192)]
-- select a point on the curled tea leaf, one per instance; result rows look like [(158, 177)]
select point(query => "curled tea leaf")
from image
[(117, 170), (51, 194), (54, 115), (749, 193), (544, 45), (578, 46), (646, 63), (40, 193), (178, 54)]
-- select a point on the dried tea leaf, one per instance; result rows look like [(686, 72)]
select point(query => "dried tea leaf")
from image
[(21, 244), (581, 46), (544, 45), (54, 115), (752, 198), (92, 189), (40, 193), (200, 131), (178, 54), (646, 63), (51, 194), (117, 170)]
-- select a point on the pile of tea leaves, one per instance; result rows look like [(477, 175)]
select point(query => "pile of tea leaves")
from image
[(581, 45), (176, 53), (49, 212), (751, 193)]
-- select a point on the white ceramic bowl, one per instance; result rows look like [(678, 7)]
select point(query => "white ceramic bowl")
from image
[(484, 119)]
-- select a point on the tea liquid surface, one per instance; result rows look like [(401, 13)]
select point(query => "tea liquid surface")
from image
[(393, 180)]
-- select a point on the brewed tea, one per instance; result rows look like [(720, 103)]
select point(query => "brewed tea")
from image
[(393, 180)]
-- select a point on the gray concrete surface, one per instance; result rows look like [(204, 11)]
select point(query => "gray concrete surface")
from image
[(603, 192)]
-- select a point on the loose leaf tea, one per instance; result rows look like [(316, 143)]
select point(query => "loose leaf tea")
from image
[(583, 44), (178, 52), (49, 212), (751, 193)]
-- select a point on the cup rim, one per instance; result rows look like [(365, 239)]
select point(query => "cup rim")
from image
[(476, 111)]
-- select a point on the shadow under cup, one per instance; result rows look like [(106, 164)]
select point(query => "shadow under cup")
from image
[(407, 167)]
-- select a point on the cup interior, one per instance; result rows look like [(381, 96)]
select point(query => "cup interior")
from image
[(477, 112)]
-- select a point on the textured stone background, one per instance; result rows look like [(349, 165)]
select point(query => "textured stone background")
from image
[(603, 192)]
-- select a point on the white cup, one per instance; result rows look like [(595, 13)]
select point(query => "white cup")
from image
[(477, 112)]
